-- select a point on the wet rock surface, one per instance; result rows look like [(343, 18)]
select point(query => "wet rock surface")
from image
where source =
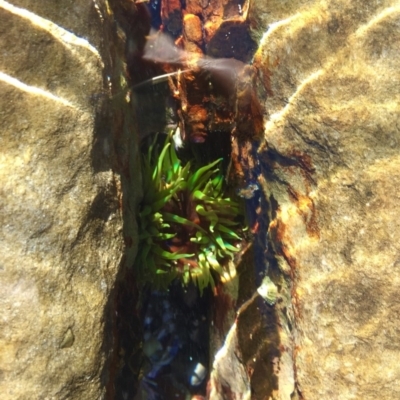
[(60, 218), (330, 164), (312, 107)]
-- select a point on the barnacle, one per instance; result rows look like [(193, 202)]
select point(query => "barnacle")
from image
[(187, 228)]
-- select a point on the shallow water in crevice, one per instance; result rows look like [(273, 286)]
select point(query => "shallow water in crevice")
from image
[(165, 341)]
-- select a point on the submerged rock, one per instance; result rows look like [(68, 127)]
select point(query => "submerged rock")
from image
[(319, 103), (60, 217), (330, 167)]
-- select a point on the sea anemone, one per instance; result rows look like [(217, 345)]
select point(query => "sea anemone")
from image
[(187, 228)]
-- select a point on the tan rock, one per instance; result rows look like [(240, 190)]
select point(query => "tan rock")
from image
[(192, 28), (330, 160), (60, 219)]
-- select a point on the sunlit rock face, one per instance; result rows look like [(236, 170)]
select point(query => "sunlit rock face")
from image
[(60, 220), (328, 82), (331, 167)]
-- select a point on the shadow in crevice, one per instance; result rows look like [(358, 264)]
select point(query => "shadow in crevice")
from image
[(114, 148), (123, 327), (123, 332), (258, 324)]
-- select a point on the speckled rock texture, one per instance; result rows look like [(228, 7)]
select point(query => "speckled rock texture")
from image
[(329, 83), (330, 166), (60, 233)]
